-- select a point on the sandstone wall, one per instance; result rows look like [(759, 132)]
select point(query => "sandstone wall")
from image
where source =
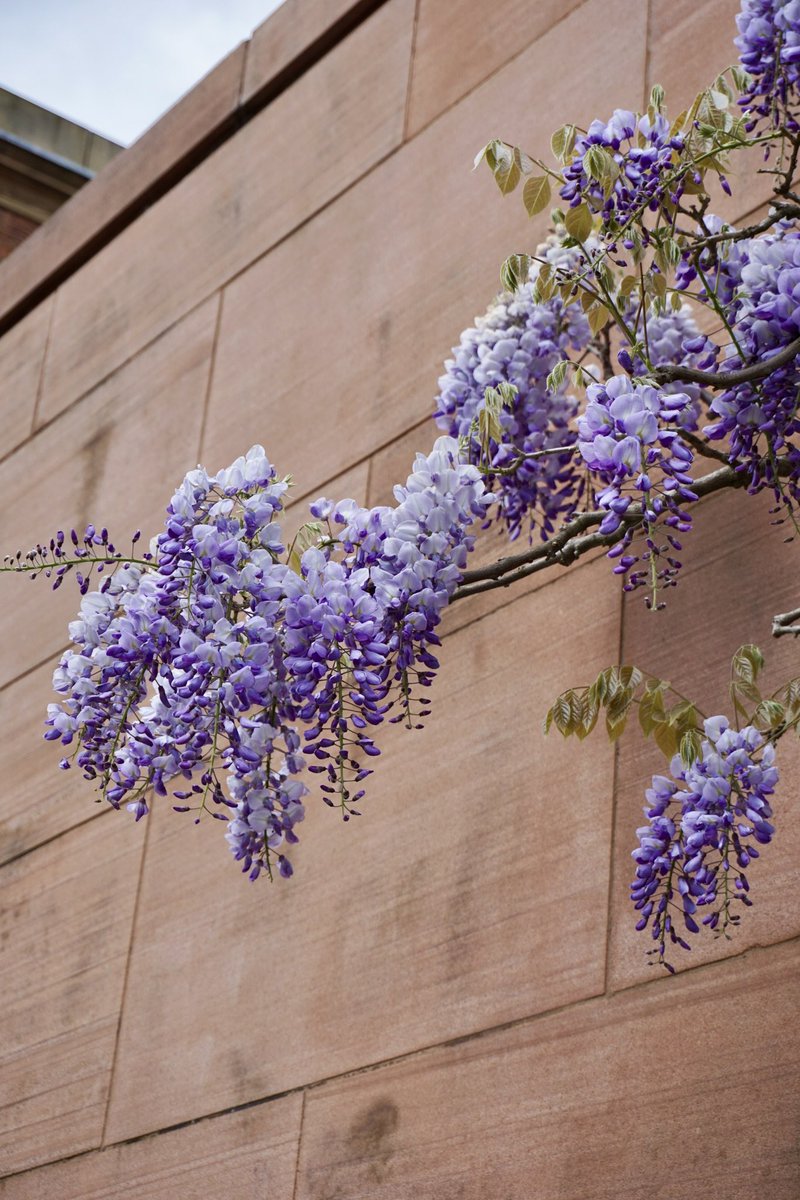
[(448, 1000)]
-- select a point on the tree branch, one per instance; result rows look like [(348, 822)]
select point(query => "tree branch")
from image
[(784, 623), (572, 541), (780, 213), (726, 379)]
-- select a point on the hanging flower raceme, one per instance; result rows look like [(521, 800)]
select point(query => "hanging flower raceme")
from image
[(759, 420), (769, 45), (629, 435), (195, 667), (672, 339), (518, 342), (699, 840), (625, 167)]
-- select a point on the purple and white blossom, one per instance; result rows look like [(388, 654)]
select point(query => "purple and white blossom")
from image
[(759, 420), (769, 46), (630, 437), (699, 840), (519, 341), (195, 669), (646, 172)]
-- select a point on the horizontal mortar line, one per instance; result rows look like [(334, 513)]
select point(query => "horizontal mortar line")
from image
[(219, 287), (500, 67), (235, 122), (6, 862), (344, 28), (462, 1039), (230, 125), (35, 667), (225, 283), (312, 216)]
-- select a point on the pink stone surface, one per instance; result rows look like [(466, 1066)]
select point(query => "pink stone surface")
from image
[(447, 999)]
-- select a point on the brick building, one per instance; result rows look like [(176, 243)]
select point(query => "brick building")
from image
[(448, 1000)]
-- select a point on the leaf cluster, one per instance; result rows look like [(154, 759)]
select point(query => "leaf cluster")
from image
[(675, 727), (674, 722), (774, 715)]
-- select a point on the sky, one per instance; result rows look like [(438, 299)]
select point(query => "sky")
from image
[(116, 65)]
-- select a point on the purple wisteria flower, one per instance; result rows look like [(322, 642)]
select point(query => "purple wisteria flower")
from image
[(672, 339), (519, 341), (630, 436), (769, 45), (645, 167), (699, 840), (199, 664), (719, 270), (759, 420)]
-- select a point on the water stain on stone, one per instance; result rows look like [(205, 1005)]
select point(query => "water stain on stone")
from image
[(94, 453), (370, 1137)]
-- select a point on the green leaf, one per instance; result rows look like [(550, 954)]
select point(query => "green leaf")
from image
[(599, 689), (523, 161), (307, 535), (489, 430), (507, 175), (721, 84), (505, 162), (594, 162), (657, 284), (536, 194), (747, 662), (617, 713), (562, 142), (657, 97), (690, 747), (514, 271), (557, 375), (769, 714), (678, 123), (651, 708), (741, 79), (562, 713), (602, 166), (665, 738), (599, 316), (588, 716), (486, 153), (579, 222), (741, 690), (544, 282), (630, 677), (637, 250)]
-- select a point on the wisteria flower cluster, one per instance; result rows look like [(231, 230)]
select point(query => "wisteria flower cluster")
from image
[(226, 669), (769, 45), (699, 840), (202, 662), (629, 436), (635, 171), (759, 420), (519, 341), (671, 337)]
